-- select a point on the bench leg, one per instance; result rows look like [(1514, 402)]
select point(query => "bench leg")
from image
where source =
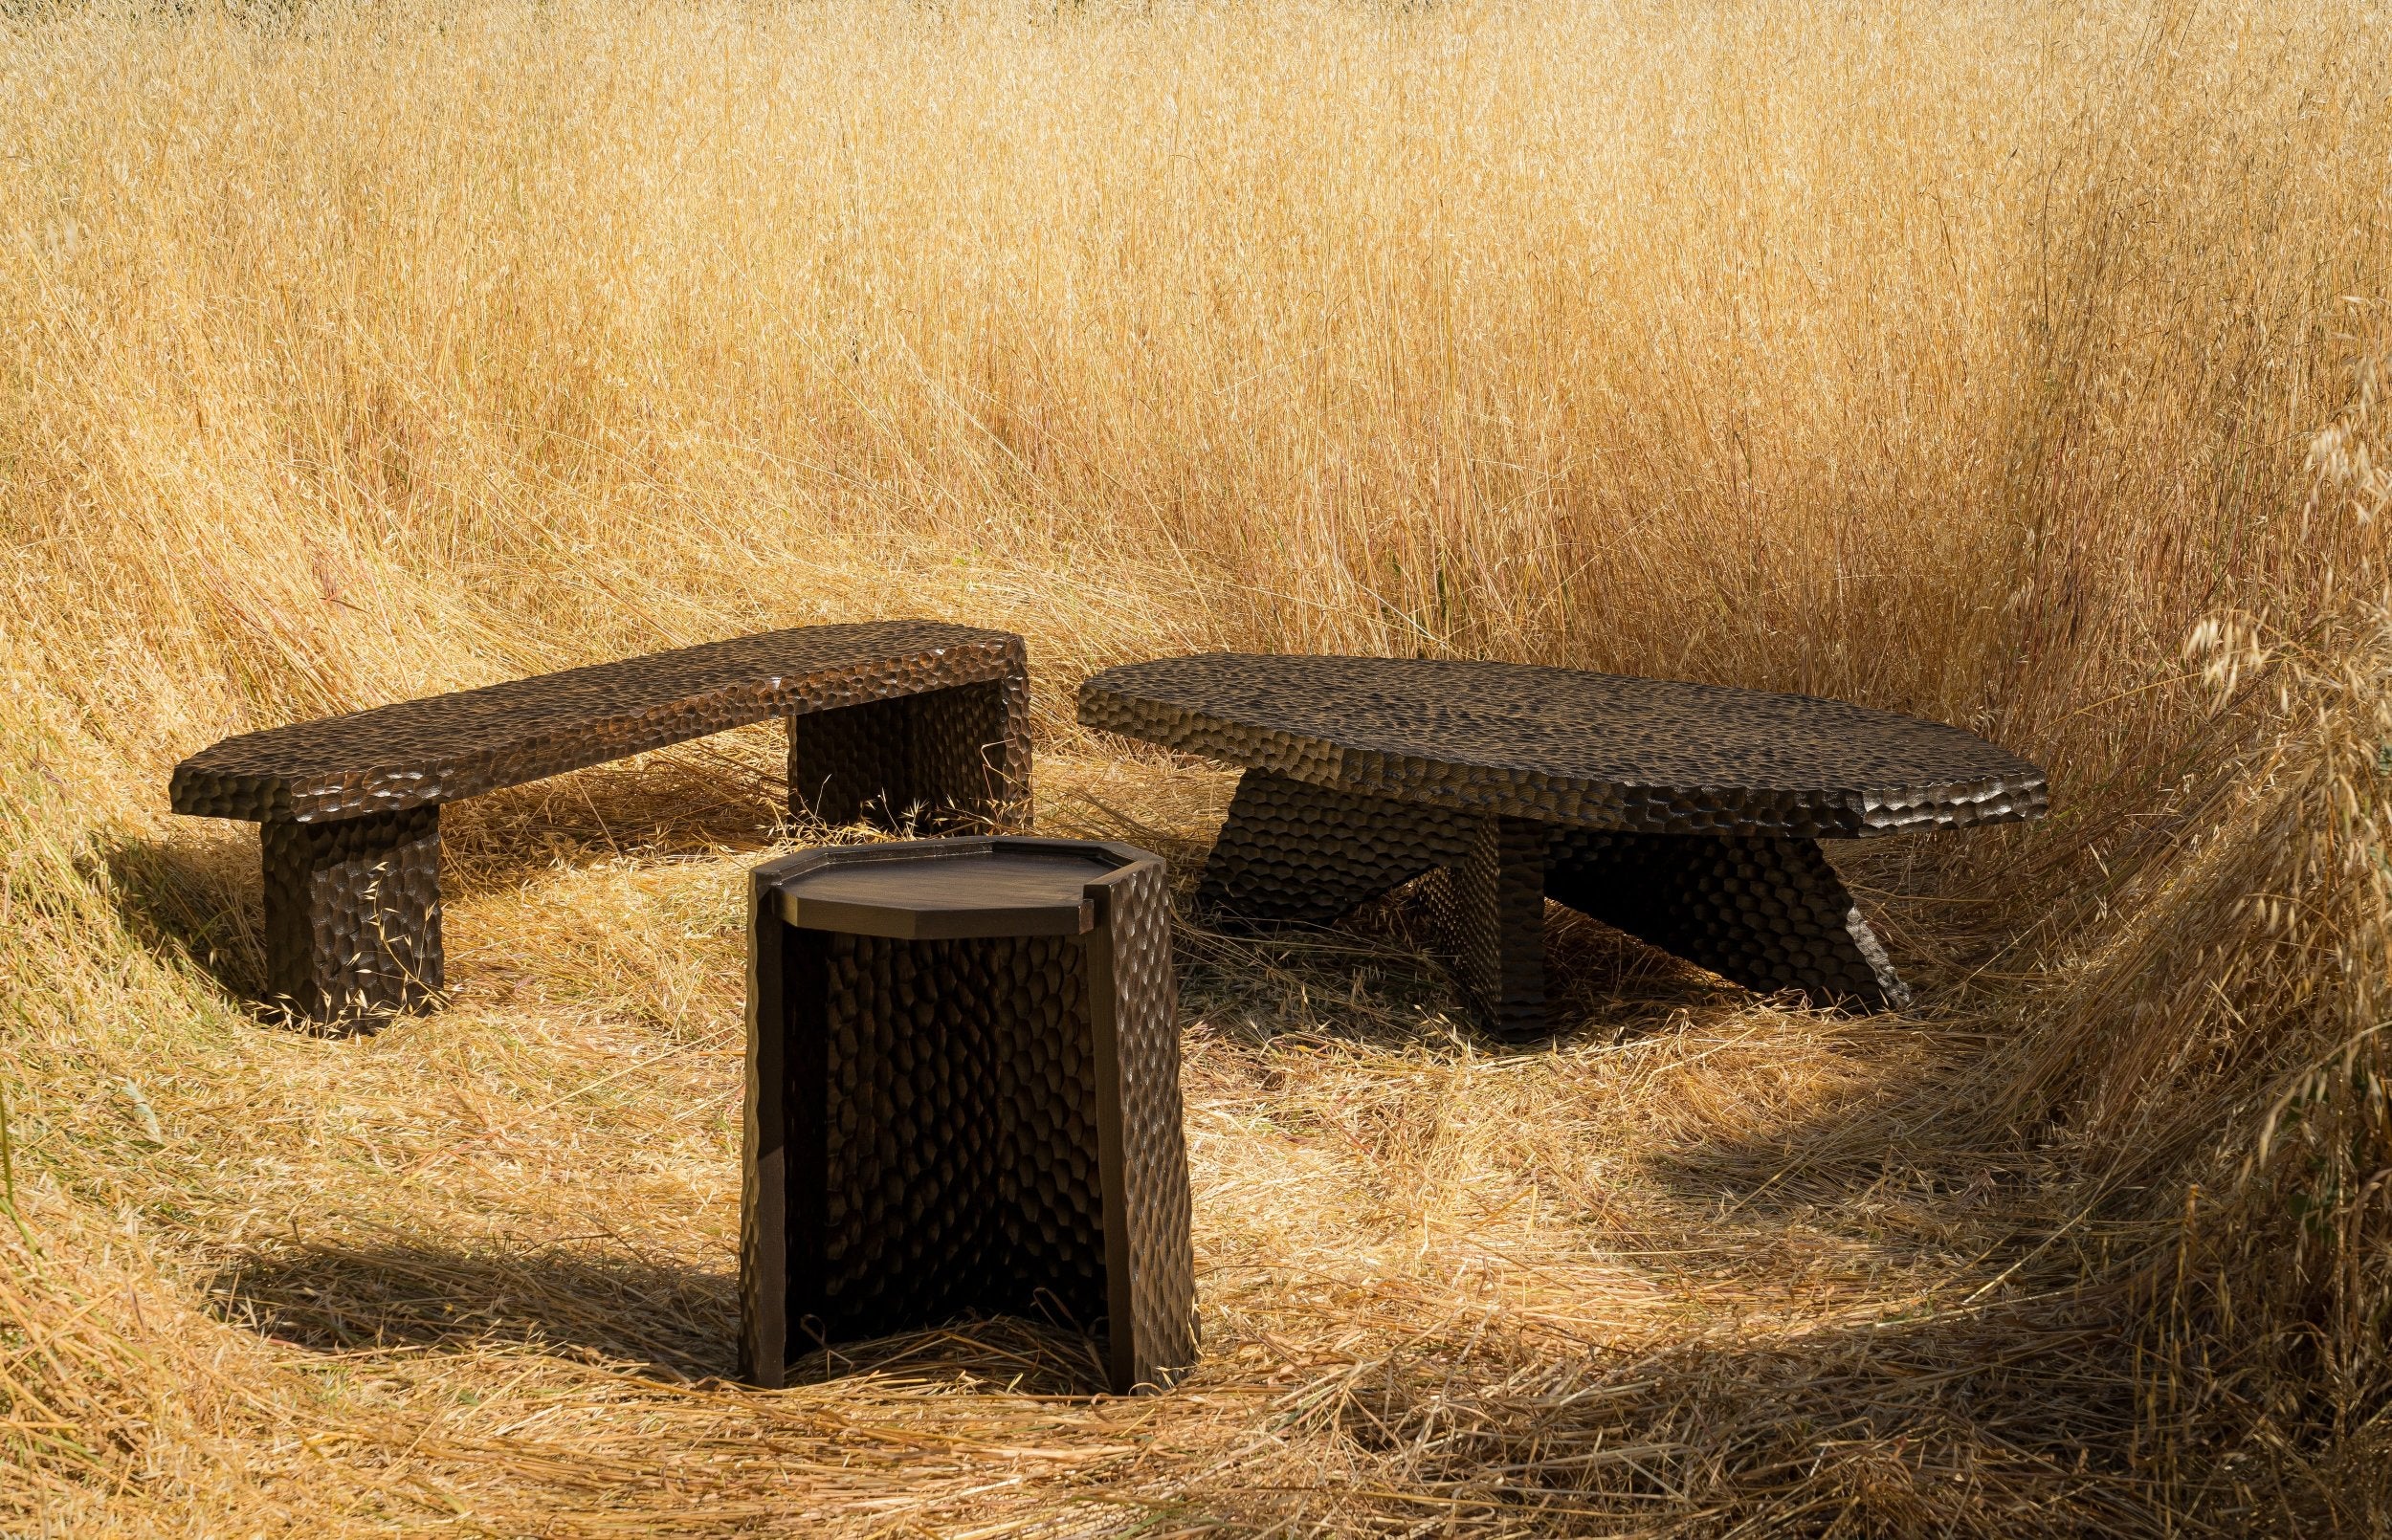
[(850, 765), (1492, 906), (1767, 913), (353, 915), (971, 754), (958, 757), (1295, 851)]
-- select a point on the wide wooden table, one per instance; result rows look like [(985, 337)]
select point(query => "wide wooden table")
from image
[(1687, 815), (884, 717)]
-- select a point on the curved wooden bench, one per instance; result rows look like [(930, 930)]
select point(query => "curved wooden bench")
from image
[(896, 715), (1688, 815)]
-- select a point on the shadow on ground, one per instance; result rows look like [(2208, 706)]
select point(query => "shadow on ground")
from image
[(1376, 976), (191, 896), (670, 1319), (699, 799)]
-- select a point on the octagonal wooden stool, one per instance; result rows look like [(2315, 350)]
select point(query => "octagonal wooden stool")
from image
[(963, 1096)]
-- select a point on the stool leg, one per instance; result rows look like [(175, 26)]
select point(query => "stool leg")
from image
[(781, 1163), (1293, 851), (1767, 913), (1150, 1263), (353, 915), (1493, 904)]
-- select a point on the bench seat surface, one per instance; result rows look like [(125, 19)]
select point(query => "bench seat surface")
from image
[(442, 748), (1591, 750)]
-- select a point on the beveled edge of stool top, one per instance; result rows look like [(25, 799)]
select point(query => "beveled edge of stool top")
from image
[(942, 889)]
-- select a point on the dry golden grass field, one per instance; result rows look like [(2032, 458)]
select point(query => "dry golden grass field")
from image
[(2022, 366)]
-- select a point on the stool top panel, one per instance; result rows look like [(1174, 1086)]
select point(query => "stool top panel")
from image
[(1594, 750), (947, 890), (442, 748)]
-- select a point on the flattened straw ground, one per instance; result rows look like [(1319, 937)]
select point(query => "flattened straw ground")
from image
[(1496, 1288)]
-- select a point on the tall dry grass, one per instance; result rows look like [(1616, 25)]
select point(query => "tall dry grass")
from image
[(2019, 366)]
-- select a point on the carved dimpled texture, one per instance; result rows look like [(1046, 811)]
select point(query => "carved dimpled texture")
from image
[(1593, 750), (1163, 1334), (976, 746), (1050, 1195), (841, 760), (1769, 915), (353, 915), (955, 759), (1492, 906), (1292, 851), (443, 748), (960, 1162)]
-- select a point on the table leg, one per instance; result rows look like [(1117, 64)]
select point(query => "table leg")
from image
[(1295, 851), (353, 915), (1769, 913), (1491, 904), (957, 758)]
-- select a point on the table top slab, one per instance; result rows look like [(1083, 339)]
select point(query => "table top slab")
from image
[(443, 748), (1591, 750)]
